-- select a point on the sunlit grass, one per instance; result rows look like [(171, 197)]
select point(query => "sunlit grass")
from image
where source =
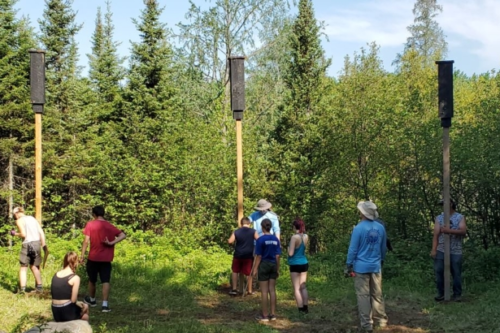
[(167, 290)]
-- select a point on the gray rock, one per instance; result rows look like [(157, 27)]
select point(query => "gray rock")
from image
[(74, 326)]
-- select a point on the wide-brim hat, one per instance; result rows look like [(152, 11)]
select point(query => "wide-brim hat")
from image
[(263, 204), (368, 209)]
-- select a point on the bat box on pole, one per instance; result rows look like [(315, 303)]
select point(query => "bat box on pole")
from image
[(445, 91), (37, 79), (237, 81)]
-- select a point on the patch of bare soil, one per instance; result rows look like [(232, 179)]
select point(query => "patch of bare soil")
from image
[(236, 311)]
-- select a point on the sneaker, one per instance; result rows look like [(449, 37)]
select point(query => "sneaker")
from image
[(106, 309), (90, 302), (457, 298), (233, 292), (262, 319), (439, 298), (272, 317)]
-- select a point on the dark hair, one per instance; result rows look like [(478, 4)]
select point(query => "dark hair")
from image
[(98, 211), (452, 204), (266, 224), (299, 225), (245, 220)]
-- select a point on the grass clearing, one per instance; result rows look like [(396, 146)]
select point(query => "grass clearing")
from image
[(161, 289)]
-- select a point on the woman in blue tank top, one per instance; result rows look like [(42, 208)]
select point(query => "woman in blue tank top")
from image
[(299, 264)]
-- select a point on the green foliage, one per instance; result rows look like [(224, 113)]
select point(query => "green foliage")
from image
[(427, 37), (106, 71), (159, 285), (16, 117), (155, 142)]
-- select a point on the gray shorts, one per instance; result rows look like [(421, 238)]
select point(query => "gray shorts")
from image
[(31, 254)]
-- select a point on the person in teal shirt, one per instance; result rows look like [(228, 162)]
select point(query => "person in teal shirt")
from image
[(298, 264), (366, 253)]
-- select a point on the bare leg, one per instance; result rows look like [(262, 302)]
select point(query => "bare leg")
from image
[(91, 289), (36, 274), (242, 283), (264, 289), (22, 276), (249, 283), (303, 288), (234, 281), (272, 295), (296, 289), (105, 291)]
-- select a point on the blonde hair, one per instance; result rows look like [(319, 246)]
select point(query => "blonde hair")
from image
[(18, 210), (71, 260)]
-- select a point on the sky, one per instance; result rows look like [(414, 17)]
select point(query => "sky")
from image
[(471, 27)]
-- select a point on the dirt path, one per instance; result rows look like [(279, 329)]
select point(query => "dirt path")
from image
[(236, 311)]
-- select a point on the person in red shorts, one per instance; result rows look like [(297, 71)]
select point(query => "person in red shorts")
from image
[(102, 237), (245, 238)]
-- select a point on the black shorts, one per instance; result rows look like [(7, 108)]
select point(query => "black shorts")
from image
[(267, 271), (67, 312), (31, 254), (97, 267), (299, 268)]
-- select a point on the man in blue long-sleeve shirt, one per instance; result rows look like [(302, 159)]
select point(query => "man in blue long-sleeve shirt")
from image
[(366, 253)]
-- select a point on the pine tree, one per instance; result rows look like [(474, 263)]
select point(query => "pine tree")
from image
[(16, 115), (106, 71), (427, 39), (149, 129), (151, 63), (307, 65), (65, 119), (296, 136)]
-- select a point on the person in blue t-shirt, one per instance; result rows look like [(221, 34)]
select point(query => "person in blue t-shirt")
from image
[(366, 253), (263, 211), (267, 265)]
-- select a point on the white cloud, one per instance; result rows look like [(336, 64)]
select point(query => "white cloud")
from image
[(477, 21), (382, 21), (472, 25)]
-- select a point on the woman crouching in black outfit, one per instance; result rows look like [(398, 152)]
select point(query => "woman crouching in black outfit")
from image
[(64, 290)]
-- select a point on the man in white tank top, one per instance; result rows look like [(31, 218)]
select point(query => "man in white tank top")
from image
[(33, 241)]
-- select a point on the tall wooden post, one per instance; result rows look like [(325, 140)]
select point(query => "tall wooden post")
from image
[(38, 167), (237, 80), (37, 84), (239, 169), (446, 209), (11, 192), (445, 92)]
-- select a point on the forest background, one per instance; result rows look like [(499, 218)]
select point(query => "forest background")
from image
[(154, 141)]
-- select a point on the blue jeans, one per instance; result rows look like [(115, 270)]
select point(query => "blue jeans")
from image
[(456, 273)]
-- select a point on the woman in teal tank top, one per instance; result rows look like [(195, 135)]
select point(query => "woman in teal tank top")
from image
[(299, 264)]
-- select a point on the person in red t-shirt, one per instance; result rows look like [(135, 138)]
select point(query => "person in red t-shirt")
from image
[(102, 236)]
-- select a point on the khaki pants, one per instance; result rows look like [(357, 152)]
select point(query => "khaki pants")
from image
[(370, 300)]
